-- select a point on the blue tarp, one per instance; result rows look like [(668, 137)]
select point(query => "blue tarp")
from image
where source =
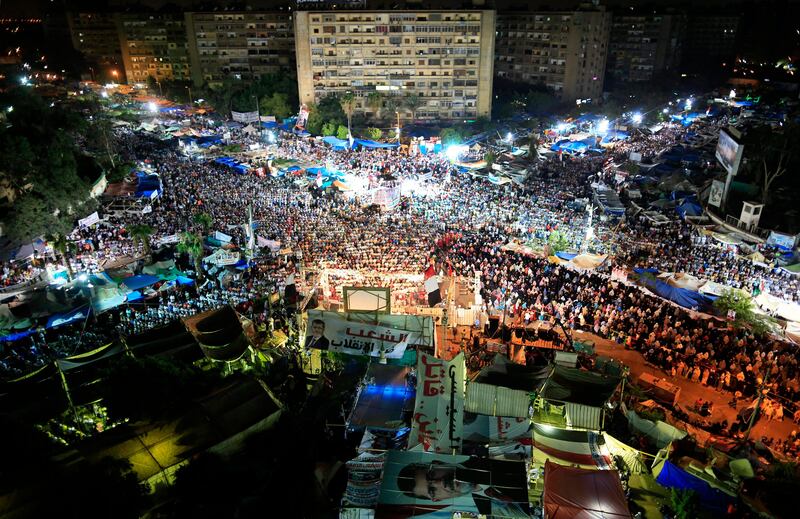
[(680, 296), (147, 183), (269, 125), (17, 336), (709, 497), (373, 144), (557, 146), (140, 281), (689, 208), (72, 316), (565, 255), (336, 143)]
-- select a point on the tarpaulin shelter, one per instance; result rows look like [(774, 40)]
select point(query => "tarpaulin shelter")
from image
[(583, 394), (574, 493), (140, 281), (661, 433), (689, 208), (335, 143), (219, 333), (374, 144), (713, 499), (568, 447), (680, 296)]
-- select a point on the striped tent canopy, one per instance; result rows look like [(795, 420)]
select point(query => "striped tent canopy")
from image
[(570, 447)]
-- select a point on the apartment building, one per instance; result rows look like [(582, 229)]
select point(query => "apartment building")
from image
[(641, 46), (154, 44), (565, 51), (95, 36), (443, 58), (709, 41), (241, 45)]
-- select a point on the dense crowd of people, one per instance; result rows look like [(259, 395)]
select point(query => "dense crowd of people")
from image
[(342, 232)]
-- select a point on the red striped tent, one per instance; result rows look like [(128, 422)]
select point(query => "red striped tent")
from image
[(567, 447)]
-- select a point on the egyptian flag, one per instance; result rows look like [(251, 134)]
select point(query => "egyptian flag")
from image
[(432, 286), (290, 292)]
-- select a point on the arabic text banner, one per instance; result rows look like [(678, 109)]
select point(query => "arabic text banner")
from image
[(439, 410), (356, 338)]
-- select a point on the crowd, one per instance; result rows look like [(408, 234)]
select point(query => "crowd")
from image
[(338, 232)]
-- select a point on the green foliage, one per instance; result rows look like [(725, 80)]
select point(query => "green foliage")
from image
[(342, 132), (330, 109), (374, 133), (533, 147), (450, 136), (683, 503), (490, 158), (746, 316), (192, 244), (375, 102), (278, 105), (119, 173), (141, 233), (315, 121), (412, 102), (204, 220), (328, 129), (391, 104), (348, 103), (232, 148), (557, 241)]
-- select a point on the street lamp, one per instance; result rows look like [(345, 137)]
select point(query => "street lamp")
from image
[(397, 130), (190, 95), (637, 118)]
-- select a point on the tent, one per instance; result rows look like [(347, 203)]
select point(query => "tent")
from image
[(573, 493), (219, 333), (680, 296), (568, 447), (373, 144), (713, 499), (660, 432), (336, 143), (584, 394), (689, 208)]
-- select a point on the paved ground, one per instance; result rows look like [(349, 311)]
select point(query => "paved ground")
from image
[(690, 391)]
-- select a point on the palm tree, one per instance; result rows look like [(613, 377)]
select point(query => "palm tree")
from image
[(204, 220), (348, 102), (64, 248), (412, 102), (141, 233), (392, 104), (192, 244), (375, 102)]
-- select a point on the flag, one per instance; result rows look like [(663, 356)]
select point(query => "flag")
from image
[(432, 286)]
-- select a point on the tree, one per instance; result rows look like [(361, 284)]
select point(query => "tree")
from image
[(683, 503), (64, 248), (557, 241), (391, 104), (348, 103), (374, 133), (328, 129), (412, 102), (342, 132), (375, 102), (450, 136), (740, 307), (533, 147), (204, 220), (192, 244), (277, 104), (330, 110), (315, 121), (490, 157), (140, 233)]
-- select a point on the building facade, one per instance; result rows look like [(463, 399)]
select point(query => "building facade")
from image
[(709, 41), (565, 51), (442, 59), (154, 45), (241, 45), (642, 46), (95, 36)]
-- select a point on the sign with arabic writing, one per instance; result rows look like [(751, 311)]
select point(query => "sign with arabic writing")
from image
[(439, 411), (334, 332)]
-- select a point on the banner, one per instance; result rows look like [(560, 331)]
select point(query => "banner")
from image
[(244, 117), (148, 208), (302, 117), (424, 485), (333, 332), (172, 238), (716, 193), (273, 245), (438, 420), (89, 220), (221, 236), (222, 258)]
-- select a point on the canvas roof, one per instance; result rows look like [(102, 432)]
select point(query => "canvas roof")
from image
[(579, 387), (573, 493)]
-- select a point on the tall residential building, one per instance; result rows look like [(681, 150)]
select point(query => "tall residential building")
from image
[(641, 46), (445, 58), (95, 36), (154, 44), (709, 41), (242, 45), (565, 51)]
